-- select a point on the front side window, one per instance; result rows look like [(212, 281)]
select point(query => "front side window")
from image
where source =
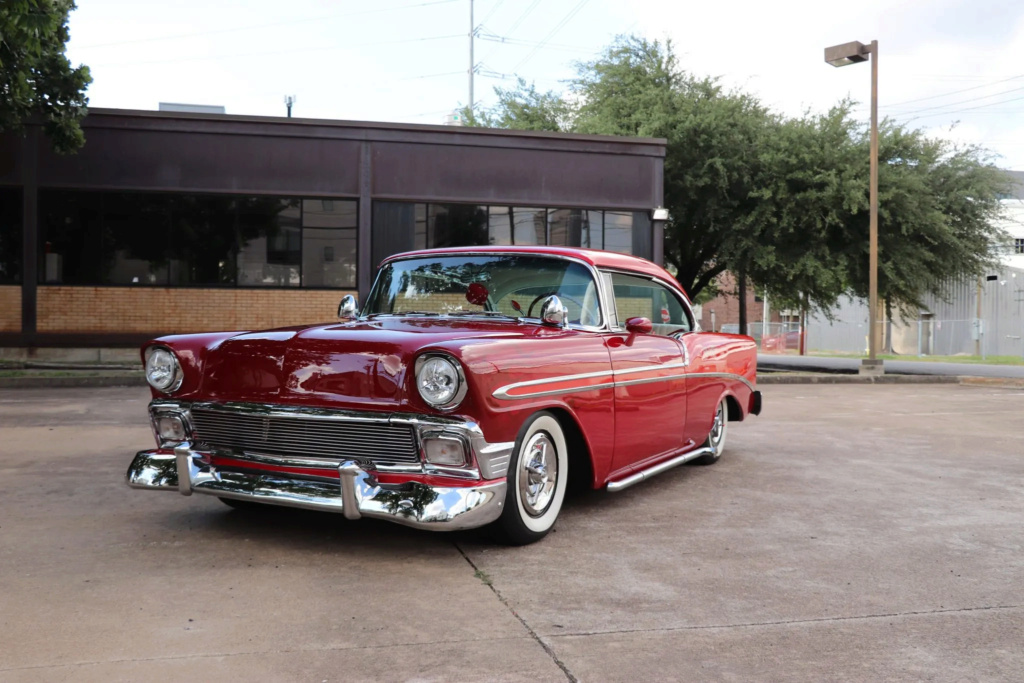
[(510, 285), (640, 297)]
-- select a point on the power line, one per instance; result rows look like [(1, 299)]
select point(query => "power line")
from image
[(486, 34), (953, 104), (954, 92), (259, 26), (491, 13), (958, 111), (523, 16), (558, 27), (515, 25), (208, 58)]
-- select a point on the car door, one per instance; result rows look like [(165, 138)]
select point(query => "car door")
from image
[(649, 369)]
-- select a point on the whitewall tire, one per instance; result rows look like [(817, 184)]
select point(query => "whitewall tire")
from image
[(716, 437), (537, 479)]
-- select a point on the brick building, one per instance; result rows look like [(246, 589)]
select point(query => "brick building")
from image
[(176, 222)]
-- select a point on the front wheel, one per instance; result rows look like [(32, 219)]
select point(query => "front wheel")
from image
[(716, 438), (537, 479)]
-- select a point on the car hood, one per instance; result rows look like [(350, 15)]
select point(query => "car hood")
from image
[(365, 363)]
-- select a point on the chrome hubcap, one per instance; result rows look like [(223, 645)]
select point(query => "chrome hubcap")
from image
[(718, 428), (538, 474)]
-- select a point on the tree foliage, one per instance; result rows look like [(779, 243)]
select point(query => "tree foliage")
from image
[(36, 79), (781, 200)]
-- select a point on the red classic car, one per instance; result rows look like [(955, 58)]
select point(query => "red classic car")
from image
[(474, 387)]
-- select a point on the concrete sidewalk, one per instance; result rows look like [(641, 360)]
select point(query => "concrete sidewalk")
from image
[(906, 367)]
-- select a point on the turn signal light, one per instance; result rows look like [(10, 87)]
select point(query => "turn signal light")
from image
[(445, 451)]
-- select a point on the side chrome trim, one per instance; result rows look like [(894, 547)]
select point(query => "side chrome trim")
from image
[(724, 375), (503, 392), (642, 475)]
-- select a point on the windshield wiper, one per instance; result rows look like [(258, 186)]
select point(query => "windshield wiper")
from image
[(395, 315), (492, 314)]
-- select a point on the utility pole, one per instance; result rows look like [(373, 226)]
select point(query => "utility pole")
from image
[(289, 100), (472, 31)]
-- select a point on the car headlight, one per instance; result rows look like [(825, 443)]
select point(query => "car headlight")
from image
[(163, 371), (440, 381)]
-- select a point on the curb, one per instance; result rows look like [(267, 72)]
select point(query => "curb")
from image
[(70, 382), (833, 378), (1002, 382)]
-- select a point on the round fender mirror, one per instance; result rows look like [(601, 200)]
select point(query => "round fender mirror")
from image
[(552, 312), (348, 309)]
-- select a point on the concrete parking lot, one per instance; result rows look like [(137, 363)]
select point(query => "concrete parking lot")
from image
[(851, 532)]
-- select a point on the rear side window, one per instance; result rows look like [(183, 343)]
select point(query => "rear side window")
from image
[(639, 297)]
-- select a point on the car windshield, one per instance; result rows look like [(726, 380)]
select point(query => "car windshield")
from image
[(499, 286)]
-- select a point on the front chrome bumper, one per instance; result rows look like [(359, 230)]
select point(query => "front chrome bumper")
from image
[(358, 494)]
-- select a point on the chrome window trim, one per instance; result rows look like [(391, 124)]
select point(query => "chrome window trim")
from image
[(687, 308), (594, 273)]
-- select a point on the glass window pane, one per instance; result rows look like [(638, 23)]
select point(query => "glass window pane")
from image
[(529, 226), (637, 297), (270, 242), (71, 237), (329, 243), (592, 230), (203, 242), (420, 234), (618, 231), (570, 227), (135, 238), (456, 225), (10, 234), (499, 225)]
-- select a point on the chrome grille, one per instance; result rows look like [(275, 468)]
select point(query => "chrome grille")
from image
[(301, 436)]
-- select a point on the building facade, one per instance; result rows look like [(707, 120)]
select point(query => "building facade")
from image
[(175, 222)]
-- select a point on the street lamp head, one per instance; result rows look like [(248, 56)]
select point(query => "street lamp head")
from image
[(847, 53), (659, 214)]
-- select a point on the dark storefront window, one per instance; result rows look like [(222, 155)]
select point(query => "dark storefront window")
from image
[(618, 231), (10, 235), (138, 238), (399, 226), (329, 243)]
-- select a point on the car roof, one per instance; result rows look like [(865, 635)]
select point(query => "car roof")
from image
[(599, 259)]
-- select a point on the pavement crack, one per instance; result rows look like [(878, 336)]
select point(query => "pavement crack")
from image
[(482, 575), (788, 622)]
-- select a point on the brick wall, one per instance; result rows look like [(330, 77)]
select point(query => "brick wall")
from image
[(91, 310), (727, 305), (10, 309)]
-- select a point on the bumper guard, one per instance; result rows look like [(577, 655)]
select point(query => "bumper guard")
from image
[(359, 494)]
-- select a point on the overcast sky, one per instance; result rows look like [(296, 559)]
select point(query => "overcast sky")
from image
[(952, 67)]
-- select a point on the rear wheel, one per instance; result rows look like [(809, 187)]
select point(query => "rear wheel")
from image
[(537, 480), (716, 437)]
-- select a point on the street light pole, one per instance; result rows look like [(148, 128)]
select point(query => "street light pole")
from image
[(841, 55), (873, 219)]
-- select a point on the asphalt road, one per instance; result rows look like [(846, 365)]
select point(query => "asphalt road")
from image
[(851, 532), (904, 367)]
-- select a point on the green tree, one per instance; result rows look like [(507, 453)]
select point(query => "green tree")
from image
[(937, 207), (522, 107), (780, 201), (36, 79)]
